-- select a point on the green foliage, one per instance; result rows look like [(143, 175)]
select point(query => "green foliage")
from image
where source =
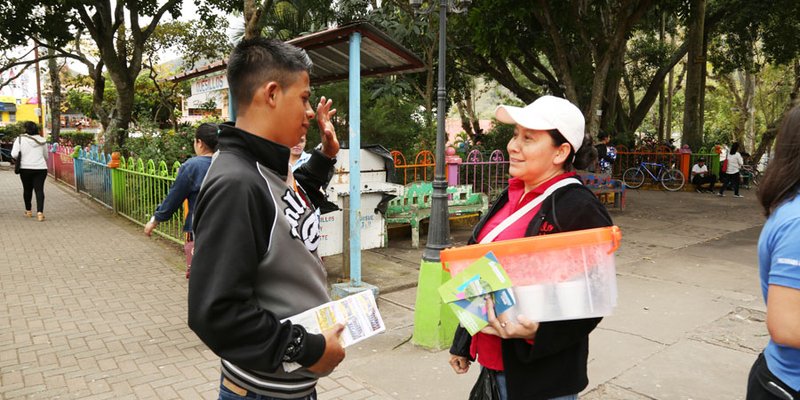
[(497, 138), (75, 138), (11, 131), (148, 142)]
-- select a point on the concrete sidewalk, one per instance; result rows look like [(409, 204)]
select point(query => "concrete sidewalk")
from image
[(91, 308)]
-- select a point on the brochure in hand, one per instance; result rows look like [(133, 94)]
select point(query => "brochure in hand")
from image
[(466, 292), (358, 313)]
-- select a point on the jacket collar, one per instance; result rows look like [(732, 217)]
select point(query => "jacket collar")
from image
[(38, 139), (268, 153)]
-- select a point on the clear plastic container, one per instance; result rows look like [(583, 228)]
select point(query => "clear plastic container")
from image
[(562, 276)]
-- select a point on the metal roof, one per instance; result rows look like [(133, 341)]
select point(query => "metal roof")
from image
[(329, 50)]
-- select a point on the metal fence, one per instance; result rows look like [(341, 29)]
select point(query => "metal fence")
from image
[(61, 165), (93, 177), (421, 170), (139, 187), (682, 161), (487, 173)]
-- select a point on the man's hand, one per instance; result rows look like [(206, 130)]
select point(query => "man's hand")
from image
[(330, 144), (334, 352), (149, 227), (460, 364)]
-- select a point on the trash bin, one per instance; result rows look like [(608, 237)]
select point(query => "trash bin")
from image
[(376, 191)]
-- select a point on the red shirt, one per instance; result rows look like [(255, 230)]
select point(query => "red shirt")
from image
[(488, 347)]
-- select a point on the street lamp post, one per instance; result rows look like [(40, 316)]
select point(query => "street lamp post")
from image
[(433, 322)]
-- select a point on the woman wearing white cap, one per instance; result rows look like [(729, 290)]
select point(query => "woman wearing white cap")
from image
[(531, 360)]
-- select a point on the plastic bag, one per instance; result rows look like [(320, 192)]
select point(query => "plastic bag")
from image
[(486, 387)]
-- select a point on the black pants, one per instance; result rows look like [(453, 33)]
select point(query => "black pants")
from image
[(733, 179), (701, 180), (763, 385), (33, 180)]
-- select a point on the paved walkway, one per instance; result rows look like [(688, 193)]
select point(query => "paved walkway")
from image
[(91, 308)]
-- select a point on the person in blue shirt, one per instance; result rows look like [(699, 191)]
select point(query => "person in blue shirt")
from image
[(776, 372), (187, 186)]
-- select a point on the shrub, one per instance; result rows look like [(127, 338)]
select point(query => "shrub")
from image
[(75, 138), (11, 131)]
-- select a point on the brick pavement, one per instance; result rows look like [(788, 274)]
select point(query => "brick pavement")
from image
[(90, 308)]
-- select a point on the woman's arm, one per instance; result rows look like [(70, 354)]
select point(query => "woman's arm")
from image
[(783, 315)]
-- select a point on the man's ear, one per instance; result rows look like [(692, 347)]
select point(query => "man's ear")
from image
[(270, 92)]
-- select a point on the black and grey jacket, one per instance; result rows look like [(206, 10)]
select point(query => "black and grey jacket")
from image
[(256, 263), (555, 364)]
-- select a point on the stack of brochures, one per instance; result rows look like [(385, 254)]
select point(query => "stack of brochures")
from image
[(467, 291)]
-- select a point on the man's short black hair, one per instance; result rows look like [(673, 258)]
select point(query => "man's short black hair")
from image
[(254, 62)]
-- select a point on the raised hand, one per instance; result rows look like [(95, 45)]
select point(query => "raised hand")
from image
[(330, 144)]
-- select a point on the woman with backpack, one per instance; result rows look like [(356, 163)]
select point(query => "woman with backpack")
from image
[(528, 359), (30, 154)]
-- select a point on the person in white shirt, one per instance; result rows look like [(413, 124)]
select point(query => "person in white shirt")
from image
[(700, 176), (32, 149), (735, 162)]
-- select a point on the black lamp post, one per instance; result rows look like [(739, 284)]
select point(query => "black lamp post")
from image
[(439, 228)]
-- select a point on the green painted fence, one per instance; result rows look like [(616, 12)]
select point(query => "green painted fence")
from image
[(139, 187)]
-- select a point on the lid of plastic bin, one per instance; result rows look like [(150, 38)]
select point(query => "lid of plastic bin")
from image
[(535, 243)]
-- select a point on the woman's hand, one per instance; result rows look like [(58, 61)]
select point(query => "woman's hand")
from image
[(460, 364), (501, 326), (330, 144)]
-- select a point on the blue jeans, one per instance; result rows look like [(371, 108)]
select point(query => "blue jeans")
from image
[(228, 394), (501, 384)]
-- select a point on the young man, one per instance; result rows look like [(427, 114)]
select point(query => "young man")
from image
[(700, 176), (257, 232)]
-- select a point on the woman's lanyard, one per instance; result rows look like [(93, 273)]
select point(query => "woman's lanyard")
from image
[(492, 235)]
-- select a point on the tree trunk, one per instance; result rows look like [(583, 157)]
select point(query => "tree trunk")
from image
[(749, 110), (661, 100), (55, 98), (692, 121), (117, 130), (252, 19)]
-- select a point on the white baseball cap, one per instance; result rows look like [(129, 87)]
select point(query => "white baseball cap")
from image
[(547, 112)]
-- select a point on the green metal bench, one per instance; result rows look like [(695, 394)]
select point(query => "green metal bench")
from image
[(414, 205)]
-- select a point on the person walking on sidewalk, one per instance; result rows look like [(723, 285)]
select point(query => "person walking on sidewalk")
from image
[(257, 232), (527, 359), (186, 187), (32, 150), (776, 372), (731, 173)]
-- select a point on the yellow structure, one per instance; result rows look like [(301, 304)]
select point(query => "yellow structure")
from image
[(14, 109)]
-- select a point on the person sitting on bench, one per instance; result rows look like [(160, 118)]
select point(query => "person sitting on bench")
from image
[(701, 176)]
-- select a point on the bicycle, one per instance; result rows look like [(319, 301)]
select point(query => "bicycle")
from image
[(671, 179)]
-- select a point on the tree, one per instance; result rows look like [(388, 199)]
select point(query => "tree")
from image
[(194, 41), (695, 77), (120, 45)]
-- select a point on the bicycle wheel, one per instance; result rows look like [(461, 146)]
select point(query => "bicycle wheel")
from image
[(633, 178), (672, 179), (755, 178)]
